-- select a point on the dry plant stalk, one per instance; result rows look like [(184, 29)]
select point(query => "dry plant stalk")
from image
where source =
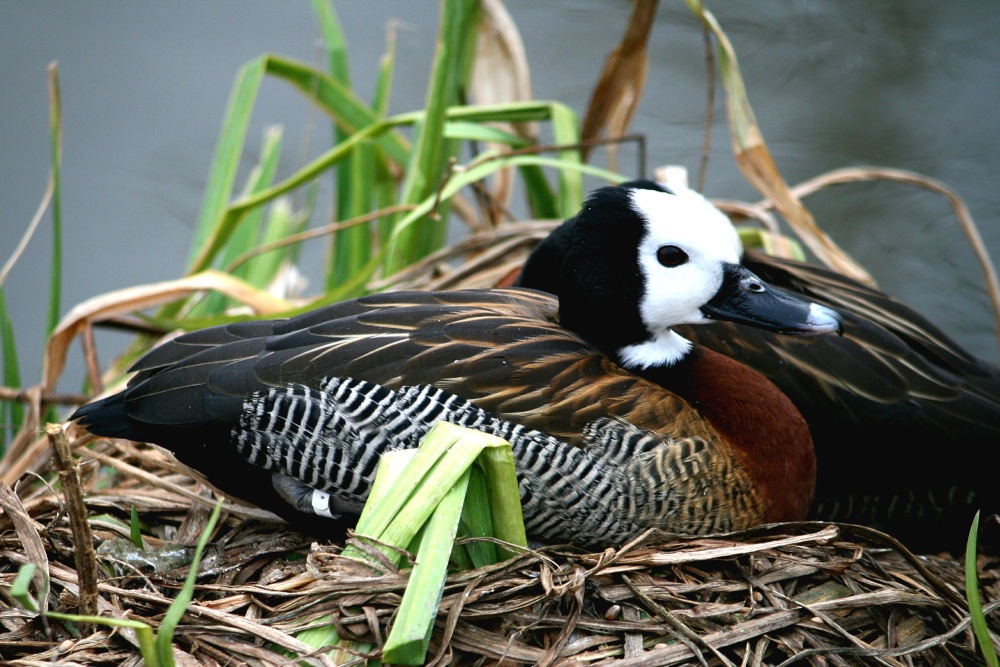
[(83, 543)]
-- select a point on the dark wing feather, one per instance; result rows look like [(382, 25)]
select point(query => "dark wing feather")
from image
[(890, 355), (501, 349), (900, 414), (186, 346)]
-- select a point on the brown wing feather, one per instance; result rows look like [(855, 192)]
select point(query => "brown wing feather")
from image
[(501, 349)]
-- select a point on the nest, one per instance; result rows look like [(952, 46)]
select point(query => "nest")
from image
[(831, 594)]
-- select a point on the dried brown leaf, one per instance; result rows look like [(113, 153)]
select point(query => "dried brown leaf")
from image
[(500, 74), (27, 531), (133, 299), (755, 161), (620, 86)]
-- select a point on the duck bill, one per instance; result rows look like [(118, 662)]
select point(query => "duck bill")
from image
[(746, 299)]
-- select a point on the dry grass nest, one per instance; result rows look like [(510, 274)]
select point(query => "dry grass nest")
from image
[(826, 593)]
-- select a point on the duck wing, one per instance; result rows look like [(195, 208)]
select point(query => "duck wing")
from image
[(501, 349), (899, 412)]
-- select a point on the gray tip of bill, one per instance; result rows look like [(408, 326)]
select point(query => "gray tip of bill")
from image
[(824, 320)]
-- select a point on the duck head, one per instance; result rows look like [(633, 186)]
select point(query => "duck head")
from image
[(639, 259)]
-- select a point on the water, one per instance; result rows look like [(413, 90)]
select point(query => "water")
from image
[(144, 85)]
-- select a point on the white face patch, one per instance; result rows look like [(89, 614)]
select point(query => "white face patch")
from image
[(675, 295)]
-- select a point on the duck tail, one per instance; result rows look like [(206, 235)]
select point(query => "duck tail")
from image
[(108, 418)]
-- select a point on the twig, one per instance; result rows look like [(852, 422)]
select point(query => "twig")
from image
[(638, 139), (435, 213), (855, 174), (684, 634), (32, 226), (28, 395), (632, 640), (83, 543), (27, 530), (90, 356), (325, 230)]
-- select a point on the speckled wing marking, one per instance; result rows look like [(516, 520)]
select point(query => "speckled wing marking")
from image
[(624, 481)]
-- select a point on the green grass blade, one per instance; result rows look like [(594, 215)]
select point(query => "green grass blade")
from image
[(214, 227), (410, 633), (483, 168), (218, 221), (771, 243), (20, 590), (542, 201), (228, 151), (497, 461), (344, 106), (135, 530), (333, 41), (143, 633), (460, 179), (442, 458), (979, 626), (236, 211), (426, 492), (233, 215), (12, 412), (390, 468), (247, 235), (352, 246), (516, 112), (385, 183), (165, 636), (427, 163), (364, 184), (55, 129), (383, 85), (281, 223), (566, 130), (484, 133)]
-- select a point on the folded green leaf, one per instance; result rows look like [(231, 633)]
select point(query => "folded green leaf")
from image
[(407, 641)]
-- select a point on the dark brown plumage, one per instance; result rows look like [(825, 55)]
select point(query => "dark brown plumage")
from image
[(674, 437)]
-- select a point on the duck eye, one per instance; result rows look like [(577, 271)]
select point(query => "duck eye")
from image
[(670, 256)]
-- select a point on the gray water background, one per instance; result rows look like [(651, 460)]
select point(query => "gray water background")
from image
[(913, 85)]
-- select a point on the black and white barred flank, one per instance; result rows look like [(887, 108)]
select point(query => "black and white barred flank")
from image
[(330, 441)]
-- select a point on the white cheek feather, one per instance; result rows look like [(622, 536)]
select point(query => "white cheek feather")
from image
[(675, 295), (688, 219)]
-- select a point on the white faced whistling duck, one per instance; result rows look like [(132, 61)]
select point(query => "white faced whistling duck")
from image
[(904, 420), (618, 423)]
